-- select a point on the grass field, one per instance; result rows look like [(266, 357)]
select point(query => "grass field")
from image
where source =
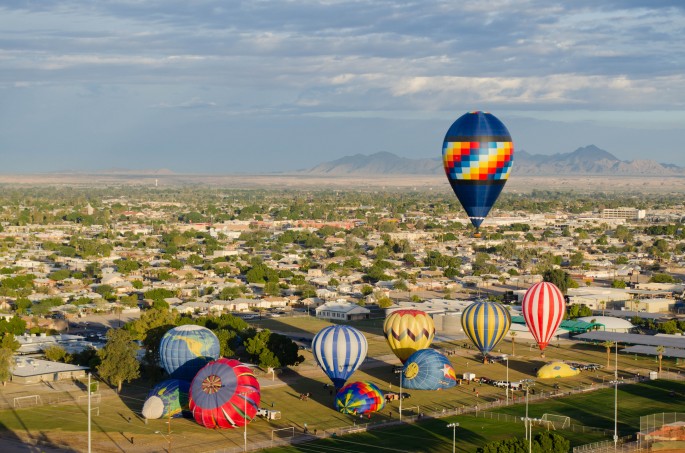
[(113, 431)]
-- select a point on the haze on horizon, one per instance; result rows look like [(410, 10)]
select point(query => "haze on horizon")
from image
[(224, 87)]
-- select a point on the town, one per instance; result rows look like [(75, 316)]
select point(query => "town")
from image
[(274, 267)]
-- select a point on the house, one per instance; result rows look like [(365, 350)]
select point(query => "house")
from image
[(342, 311), (32, 371)]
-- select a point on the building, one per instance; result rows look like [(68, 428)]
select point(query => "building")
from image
[(342, 311), (33, 371), (610, 323), (624, 213)]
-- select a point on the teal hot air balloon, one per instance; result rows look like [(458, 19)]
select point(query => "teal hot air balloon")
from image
[(485, 323), (477, 154)]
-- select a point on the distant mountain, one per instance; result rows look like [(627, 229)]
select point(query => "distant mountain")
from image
[(120, 171), (588, 160)]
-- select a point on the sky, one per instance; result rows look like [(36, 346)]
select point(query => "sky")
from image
[(259, 86)]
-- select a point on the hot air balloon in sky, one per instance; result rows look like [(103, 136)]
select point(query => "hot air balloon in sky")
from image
[(427, 369), (543, 309), (359, 398), (407, 331), (224, 394), (339, 351), (485, 323), (477, 154), (185, 349), (167, 399)]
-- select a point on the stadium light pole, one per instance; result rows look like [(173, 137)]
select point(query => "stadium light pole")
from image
[(400, 371), (506, 357), (244, 395), (454, 436), (616, 398), (89, 414)]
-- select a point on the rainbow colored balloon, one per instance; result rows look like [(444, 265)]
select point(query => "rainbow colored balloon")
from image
[(407, 331), (477, 154), (359, 398)]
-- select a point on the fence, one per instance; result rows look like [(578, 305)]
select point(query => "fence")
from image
[(607, 446)]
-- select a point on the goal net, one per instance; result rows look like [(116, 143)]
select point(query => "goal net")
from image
[(556, 421), (26, 401)]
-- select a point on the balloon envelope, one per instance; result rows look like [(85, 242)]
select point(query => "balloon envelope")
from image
[(224, 394), (407, 331), (427, 369), (185, 349), (339, 351), (485, 323), (543, 309), (359, 398), (477, 155), (167, 399)]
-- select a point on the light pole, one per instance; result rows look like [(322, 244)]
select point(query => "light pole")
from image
[(454, 436), (400, 371), (506, 357), (244, 395), (616, 398)]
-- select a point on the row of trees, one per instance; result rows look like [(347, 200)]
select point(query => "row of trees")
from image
[(545, 442)]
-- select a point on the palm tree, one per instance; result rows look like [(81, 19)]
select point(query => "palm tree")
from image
[(602, 305), (660, 355), (608, 344), (513, 334)]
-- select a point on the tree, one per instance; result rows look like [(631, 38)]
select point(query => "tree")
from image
[(119, 363), (9, 342), (384, 302), (56, 353), (660, 355), (608, 345), (6, 356), (558, 277)]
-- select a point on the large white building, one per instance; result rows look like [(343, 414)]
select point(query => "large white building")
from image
[(342, 311)]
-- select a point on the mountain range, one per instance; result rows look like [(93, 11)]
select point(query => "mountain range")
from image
[(588, 160)]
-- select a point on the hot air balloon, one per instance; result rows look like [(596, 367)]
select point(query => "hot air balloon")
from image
[(167, 399), (224, 394), (485, 323), (407, 331), (339, 350), (427, 369), (185, 349), (359, 398), (543, 309), (477, 155)]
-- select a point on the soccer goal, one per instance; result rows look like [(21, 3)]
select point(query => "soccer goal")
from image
[(556, 421), (26, 401)]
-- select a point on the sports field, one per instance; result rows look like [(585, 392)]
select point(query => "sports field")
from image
[(65, 425)]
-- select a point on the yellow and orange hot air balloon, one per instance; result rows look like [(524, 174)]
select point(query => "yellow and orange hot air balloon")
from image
[(407, 331)]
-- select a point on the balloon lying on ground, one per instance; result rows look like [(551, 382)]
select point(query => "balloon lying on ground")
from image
[(557, 370), (224, 394), (485, 323), (543, 309), (477, 155), (408, 331), (359, 398), (167, 399), (339, 351), (185, 349), (427, 369)]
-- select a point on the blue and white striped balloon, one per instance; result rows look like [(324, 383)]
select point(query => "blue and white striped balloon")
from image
[(339, 350)]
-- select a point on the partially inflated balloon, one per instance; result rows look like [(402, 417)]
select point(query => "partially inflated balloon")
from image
[(339, 350), (407, 331), (359, 398), (427, 369), (543, 309), (185, 349), (477, 154), (168, 399), (224, 394), (485, 323)]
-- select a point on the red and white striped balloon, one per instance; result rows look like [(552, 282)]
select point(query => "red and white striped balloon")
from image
[(543, 309)]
